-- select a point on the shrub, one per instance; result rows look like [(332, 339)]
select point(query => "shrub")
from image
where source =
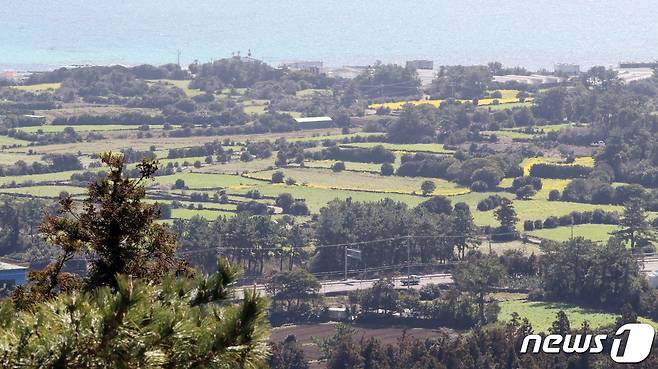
[(551, 222), (299, 208), (491, 202), (254, 194), (528, 225), (179, 184), (427, 187), (565, 220), (525, 181), (290, 181), (387, 169), (479, 186), (338, 166), (554, 195), (277, 177), (525, 192)]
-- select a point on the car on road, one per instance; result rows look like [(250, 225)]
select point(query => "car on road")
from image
[(412, 280)]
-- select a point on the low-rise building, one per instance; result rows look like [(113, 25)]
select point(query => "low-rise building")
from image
[(306, 66), (420, 64), (533, 79), (567, 69), (315, 122)]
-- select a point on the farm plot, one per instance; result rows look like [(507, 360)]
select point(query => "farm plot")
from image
[(539, 209), (43, 191), (594, 232), (548, 184), (8, 158), (6, 141), (334, 137), (509, 134), (316, 198), (542, 314), (527, 164), (237, 166), (322, 178), (305, 333), (83, 109), (310, 92), (349, 165), (184, 213), (116, 144), (195, 180), (40, 87), (527, 103), (427, 148), (39, 178), (84, 128)]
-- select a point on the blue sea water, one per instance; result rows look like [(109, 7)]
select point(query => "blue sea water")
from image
[(38, 34)]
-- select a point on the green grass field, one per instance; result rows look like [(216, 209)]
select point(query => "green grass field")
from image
[(10, 141), (349, 165), (316, 198), (310, 92), (429, 148), (324, 178), (205, 205), (542, 314), (181, 213), (237, 166), (594, 232), (533, 209), (548, 184), (207, 180), (44, 191), (8, 158), (37, 178), (334, 137)]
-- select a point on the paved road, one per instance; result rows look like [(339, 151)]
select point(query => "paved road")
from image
[(651, 264), (328, 287)]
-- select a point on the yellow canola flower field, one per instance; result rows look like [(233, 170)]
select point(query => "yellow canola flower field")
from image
[(398, 105)]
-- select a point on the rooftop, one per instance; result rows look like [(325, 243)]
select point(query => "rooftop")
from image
[(313, 119)]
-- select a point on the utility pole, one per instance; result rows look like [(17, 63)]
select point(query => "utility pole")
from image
[(345, 262), (408, 260), (179, 52)]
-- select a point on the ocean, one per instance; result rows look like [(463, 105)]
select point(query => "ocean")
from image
[(43, 34)]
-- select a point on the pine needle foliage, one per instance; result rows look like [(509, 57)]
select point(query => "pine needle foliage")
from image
[(138, 307), (177, 323)]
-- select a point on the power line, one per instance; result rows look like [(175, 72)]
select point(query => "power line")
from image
[(355, 243)]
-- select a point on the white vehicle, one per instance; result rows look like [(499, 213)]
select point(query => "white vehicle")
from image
[(412, 280)]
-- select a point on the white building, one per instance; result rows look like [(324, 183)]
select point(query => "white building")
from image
[(567, 69), (533, 79), (306, 66), (634, 74)]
